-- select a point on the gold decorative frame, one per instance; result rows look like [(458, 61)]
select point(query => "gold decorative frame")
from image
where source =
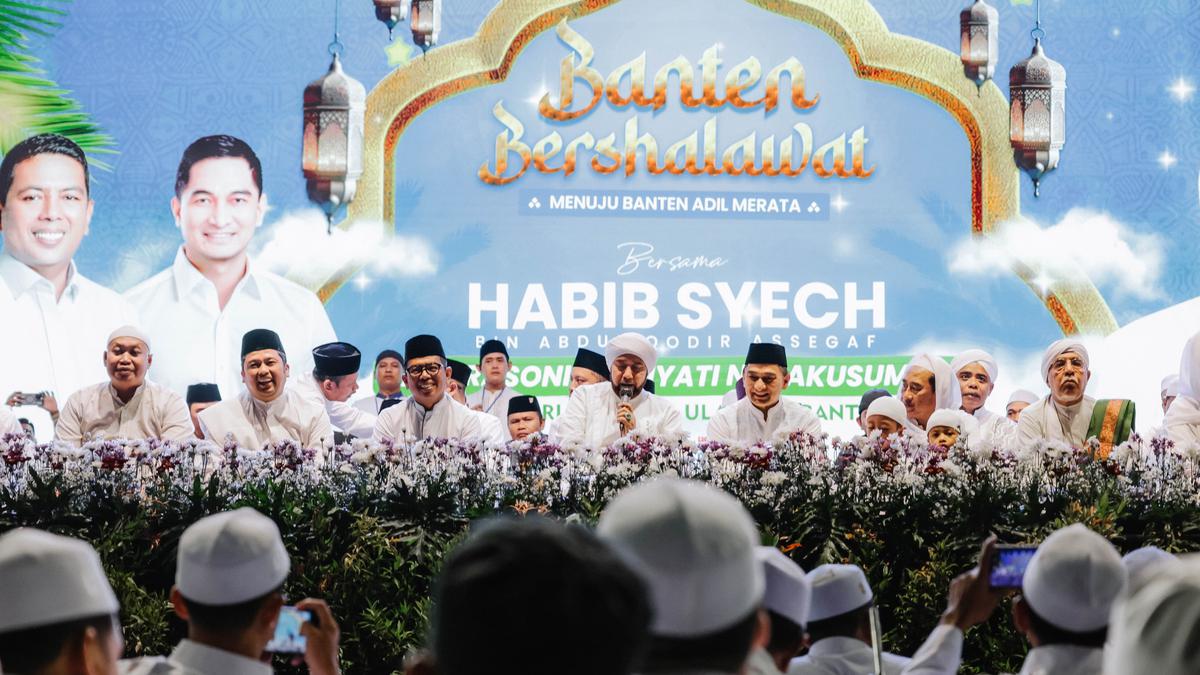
[(875, 53)]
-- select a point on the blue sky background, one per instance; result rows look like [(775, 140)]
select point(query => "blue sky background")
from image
[(157, 75)]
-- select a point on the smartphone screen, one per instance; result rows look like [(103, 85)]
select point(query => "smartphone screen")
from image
[(1008, 566), (288, 639)]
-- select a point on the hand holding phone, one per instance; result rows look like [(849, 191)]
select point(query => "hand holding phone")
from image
[(1008, 566), (288, 637)]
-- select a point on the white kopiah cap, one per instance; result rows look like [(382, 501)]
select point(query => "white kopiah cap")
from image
[(1022, 396), (47, 579), (1154, 629), (1073, 579), (130, 332), (787, 592), (693, 545), (231, 557), (890, 407), (945, 417), (837, 589), (1144, 560), (632, 343)]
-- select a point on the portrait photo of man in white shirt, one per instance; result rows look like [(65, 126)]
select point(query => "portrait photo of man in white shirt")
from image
[(56, 319), (213, 293)]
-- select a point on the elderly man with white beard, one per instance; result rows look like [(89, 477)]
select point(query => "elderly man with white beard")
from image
[(976, 371), (926, 384), (1066, 413), (599, 414)]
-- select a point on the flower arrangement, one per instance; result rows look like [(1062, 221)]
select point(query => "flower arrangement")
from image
[(367, 523)]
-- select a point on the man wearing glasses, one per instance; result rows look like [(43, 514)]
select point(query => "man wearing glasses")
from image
[(430, 412), (599, 414)]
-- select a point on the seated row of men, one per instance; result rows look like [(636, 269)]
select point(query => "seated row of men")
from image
[(610, 397), (673, 580)]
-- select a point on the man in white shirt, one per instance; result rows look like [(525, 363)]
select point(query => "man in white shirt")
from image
[(1065, 414), (212, 293), (429, 412), (493, 397), (334, 380), (127, 406), (976, 371), (764, 414), (266, 410), (456, 387), (229, 573), (389, 367), (54, 316), (599, 414), (589, 367)]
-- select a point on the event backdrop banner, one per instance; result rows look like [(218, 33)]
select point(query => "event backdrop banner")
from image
[(820, 174)]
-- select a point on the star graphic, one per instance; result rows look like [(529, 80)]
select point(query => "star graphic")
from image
[(839, 203), (399, 53), (1166, 160), (362, 281), (1182, 89)]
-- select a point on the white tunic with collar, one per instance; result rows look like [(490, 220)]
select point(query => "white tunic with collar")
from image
[(372, 404), (410, 421), (96, 412), (254, 424), (993, 428), (50, 344), (843, 656), (744, 423), (344, 417), (1063, 660), (590, 418), (193, 658), (197, 341), (1046, 420), (494, 404)]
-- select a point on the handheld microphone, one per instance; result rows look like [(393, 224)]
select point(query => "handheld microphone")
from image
[(625, 391)]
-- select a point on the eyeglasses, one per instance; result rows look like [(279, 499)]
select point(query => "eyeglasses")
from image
[(426, 369)]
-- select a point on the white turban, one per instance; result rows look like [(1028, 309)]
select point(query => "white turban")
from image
[(632, 343), (947, 392), (976, 356), (1022, 396), (1059, 348), (1189, 368), (129, 332)]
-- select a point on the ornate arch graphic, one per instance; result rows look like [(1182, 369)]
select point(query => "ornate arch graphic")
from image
[(875, 53)]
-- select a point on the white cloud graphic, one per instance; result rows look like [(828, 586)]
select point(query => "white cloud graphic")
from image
[(1112, 254), (298, 246)]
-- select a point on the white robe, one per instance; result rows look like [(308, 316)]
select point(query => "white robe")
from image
[(993, 428), (744, 423), (254, 424), (410, 421), (494, 404), (1046, 420), (1182, 423), (940, 653), (193, 658), (95, 412), (372, 404), (761, 663), (344, 417), (491, 429), (590, 418), (1063, 660)]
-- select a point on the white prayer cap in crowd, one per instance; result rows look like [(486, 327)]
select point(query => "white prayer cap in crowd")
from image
[(129, 332), (1022, 396), (947, 391), (1189, 368), (836, 590), (787, 592), (976, 356), (693, 545), (945, 417), (231, 557), (1142, 560), (47, 579), (1154, 629), (1058, 348), (890, 407), (1073, 579), (1170, 385), (632, 343)]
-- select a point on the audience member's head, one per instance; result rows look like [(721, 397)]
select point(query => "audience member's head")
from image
[(786, 599), (865, 402), (1142, 563), (58, 613), (1069, 588), (841, 600), (1018, 401), (693, 545), (544, 597), (1156, 627)]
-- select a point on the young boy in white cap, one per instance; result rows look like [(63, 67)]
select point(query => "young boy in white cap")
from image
[(230, 570), (58, 615), (127, 405), (786, 599), (889, 417), (1067, 592), (598, 414), (693, 545)]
